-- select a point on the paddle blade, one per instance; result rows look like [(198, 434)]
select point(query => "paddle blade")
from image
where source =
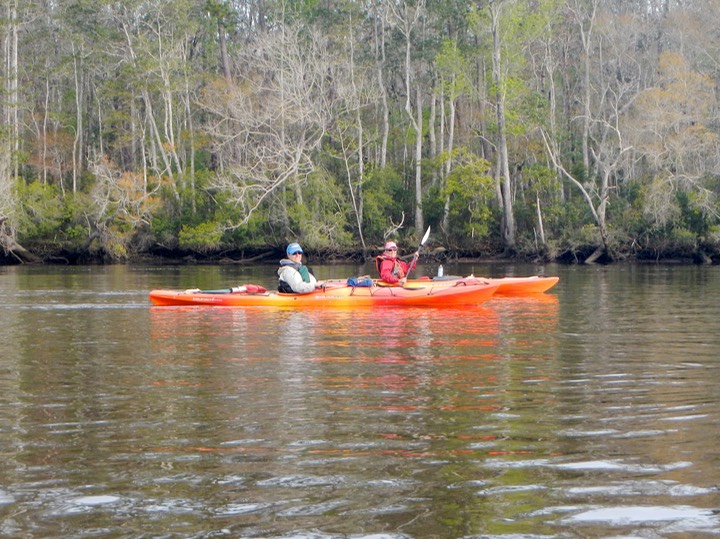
[(426, 236)]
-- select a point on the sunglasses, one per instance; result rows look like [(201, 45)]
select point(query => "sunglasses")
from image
[(298, 253), (391, 249)]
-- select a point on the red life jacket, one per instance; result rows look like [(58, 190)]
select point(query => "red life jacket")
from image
[(397, 267)]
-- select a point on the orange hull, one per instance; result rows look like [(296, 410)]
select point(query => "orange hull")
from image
[(507, 286), (341, 296), (520, 286)]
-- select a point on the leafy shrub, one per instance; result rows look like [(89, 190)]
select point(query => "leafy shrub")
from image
[(202, 238), (386, 202), (42, 213)]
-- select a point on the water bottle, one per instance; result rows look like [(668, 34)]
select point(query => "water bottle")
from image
[(441, 272)]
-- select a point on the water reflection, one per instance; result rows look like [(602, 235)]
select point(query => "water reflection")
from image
[(384, 391), (589, 412)]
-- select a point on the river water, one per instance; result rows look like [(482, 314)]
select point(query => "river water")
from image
[(590, 411)]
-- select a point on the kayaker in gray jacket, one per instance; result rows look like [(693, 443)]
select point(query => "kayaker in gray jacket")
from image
[(293, 276)]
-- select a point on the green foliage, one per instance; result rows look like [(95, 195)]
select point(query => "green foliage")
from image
[(683, 241), (50, 219), (470, 188), (454, 69), (712, 238), (695, 213), (143, 68), (256, 233), (203, 238), (188, 205), (533, 108), (165, 228), (324, 219), (386, 201), (541, 184), (41, 211), (434, 205), (75, 229)]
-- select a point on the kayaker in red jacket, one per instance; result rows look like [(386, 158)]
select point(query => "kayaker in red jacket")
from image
[(392, 270)]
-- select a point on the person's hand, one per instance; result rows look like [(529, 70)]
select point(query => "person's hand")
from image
[(403, 281), (416, 255)]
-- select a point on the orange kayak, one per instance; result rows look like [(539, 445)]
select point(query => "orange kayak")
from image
[(520, 286), (444, 295), (507, 286)]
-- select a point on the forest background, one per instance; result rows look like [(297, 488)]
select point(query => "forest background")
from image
[(569, 130)]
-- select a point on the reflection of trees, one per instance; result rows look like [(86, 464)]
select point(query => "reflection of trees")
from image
[(423, 400), (635, 388)]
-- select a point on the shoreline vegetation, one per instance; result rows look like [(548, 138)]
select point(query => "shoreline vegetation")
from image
[(569, 131), (270, 255)]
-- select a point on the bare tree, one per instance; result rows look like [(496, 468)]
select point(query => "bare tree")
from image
[(671, 127), (503, 165), (584, 13), (9, 135), (617, 79), (267, 125), (454, 83), (355, 91), (10, 57), (119, 205), (380, 60), (406, 19)]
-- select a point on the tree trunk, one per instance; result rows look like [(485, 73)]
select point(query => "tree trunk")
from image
[(155, 134), (451, 137), (432, 119), (541, 227), (361, 180), (191, 135), (380, 60), (12, 247), (78, 142), (419, 220), (12, 86), (44, 131), (502, 154), (448, 164), (586, 37), (224, 59)]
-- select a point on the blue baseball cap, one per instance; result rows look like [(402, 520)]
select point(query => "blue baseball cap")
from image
[(293, 248)]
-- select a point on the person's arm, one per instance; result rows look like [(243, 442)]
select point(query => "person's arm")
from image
[(413, 263), (405, 267), (292, 277), (386, 273)]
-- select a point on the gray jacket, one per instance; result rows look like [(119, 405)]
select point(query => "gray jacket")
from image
[(288, 273)]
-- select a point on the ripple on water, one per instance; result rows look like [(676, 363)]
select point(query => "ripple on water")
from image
[(616, 465), (683, 518), (302, 481), (510, 489), (315, 509), (95, 500), (640, 488), (62, 505), (527, 536), (245, 508), (318, 535)]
